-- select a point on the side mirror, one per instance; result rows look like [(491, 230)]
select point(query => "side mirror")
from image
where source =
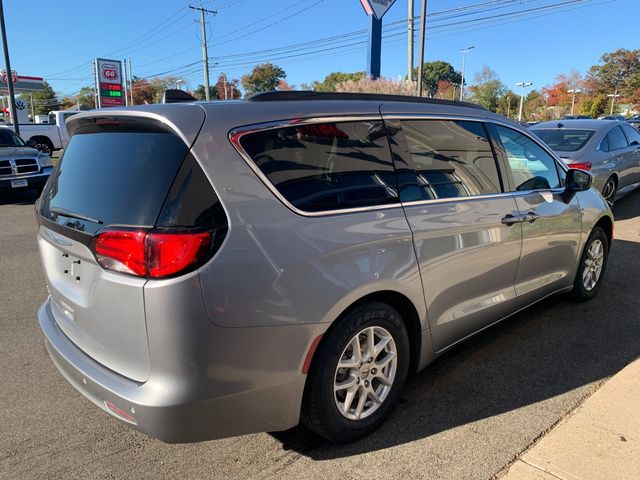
[(578, 180)]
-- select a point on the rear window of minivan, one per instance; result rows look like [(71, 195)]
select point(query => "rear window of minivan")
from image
[(113, 172)]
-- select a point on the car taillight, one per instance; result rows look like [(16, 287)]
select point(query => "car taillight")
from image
[(152, 254), (581, 165)]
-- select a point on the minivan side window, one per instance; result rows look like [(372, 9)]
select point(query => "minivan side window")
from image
[(327, 166), (451, 158), (532, 168)]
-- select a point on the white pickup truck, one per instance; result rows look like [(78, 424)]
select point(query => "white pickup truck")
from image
[(47, 137)]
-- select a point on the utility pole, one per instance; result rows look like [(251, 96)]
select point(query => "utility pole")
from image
[(126, 83), (7, 65), (464, 52), (523, 85), (410, 42), (573, 92), (423, 27), (205, 56), (33, 108), (613, 97), (130, 82)]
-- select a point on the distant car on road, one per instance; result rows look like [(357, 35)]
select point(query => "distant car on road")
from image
[(21, 165), (620, 118), (609, 149)]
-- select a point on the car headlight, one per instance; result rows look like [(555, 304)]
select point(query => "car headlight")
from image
[(44, 160)]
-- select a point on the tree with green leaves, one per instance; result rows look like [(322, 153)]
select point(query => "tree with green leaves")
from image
[(433, 73), (617, 71), (200, 92), (487, 89), (44, 101), (508, 103), (87, 97), (263, 78), (332, 80)]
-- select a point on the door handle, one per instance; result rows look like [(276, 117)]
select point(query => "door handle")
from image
[(531, 217), (511, 219)]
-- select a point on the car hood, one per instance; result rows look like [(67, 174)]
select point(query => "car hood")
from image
[(15, 152)]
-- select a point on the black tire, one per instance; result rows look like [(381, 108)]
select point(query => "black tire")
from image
[(609, 190), (44, 145), (580, 292), (320, 412)]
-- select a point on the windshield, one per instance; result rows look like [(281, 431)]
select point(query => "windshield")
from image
[(9, 139), (564, 140)]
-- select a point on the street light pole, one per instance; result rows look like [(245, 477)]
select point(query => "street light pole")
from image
[(423, 25), (464, 52), (613, 97), (573, 92), (7, 64), (523, 85)]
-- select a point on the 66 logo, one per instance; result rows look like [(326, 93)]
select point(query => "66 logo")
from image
[(109, 71)]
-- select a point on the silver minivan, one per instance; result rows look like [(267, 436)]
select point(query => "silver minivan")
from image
[(229, 267)]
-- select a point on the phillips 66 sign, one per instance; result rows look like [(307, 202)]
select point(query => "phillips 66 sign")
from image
[(109, 83)]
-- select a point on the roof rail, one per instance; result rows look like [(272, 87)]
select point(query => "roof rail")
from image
[(311, 95)]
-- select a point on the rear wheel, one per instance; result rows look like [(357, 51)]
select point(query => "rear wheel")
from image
[(357, 373), (592, 267), (609, 190)]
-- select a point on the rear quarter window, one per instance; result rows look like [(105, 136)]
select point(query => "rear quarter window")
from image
[(329, 166)]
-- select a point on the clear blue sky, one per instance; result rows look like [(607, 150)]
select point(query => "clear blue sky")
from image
[(58, 39)]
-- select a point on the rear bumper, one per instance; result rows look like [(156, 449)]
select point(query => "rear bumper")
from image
[(33, 181), (177, 410)]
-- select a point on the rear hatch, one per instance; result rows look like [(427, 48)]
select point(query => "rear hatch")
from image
[(117, 173)]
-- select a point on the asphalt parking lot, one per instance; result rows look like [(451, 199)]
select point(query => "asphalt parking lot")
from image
[(467, 416)]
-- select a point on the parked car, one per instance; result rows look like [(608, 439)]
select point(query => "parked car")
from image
[(620, 118), (47, 137), (295, 255), (577, 117), (21, 165), (635, 123), (609, 149)]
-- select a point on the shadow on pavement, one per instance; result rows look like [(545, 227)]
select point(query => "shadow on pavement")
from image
[(545, 351), (21, 197)]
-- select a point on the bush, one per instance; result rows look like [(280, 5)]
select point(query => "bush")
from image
[(381, 85)]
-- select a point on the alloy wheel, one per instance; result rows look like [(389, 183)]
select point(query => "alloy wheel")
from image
[(365, 373), (593, 265)]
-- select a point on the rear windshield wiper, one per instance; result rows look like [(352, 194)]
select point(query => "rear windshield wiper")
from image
[(70, 214)]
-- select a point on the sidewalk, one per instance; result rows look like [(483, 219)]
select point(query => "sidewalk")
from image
[(600, 440)]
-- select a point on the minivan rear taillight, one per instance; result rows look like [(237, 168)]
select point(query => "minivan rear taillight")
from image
[(150, 253)]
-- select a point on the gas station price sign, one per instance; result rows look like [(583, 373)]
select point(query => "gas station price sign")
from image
[(109, 82)]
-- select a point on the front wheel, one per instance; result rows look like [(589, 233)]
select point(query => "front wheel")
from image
[(592, 267), (357, 374)]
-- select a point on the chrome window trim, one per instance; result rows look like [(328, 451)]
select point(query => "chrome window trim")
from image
[(236, 134)]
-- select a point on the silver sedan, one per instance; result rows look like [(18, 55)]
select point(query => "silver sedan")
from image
[(609, 149)]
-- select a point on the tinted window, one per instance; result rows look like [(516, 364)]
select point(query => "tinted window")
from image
[(116, 174), (614, 140), (9, 139), (531, 166), (632, 134), (451, 159), (564, 140), (326, 166)]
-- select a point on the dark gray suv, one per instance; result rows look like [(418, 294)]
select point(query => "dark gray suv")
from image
[(223, 268)]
